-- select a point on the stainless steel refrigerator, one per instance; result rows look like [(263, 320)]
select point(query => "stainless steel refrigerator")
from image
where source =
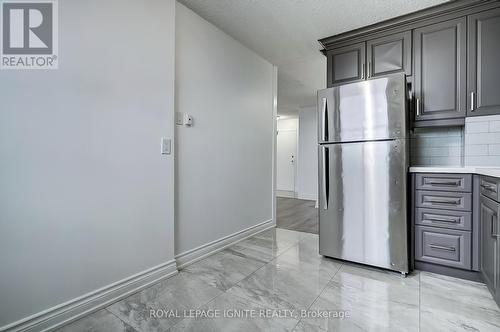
[(363, 163)]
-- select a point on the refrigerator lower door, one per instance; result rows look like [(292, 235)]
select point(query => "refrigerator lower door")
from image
[(363, 214)]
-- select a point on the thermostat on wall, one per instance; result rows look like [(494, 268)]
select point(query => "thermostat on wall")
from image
[(183, 119)]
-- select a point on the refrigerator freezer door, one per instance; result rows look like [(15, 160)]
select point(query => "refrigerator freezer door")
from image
[(362, 216), (363, 111)]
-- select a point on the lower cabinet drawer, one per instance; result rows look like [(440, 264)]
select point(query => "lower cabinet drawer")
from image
[(443, 246), (460, 220), (443, 182), (489, 187), (443, 200)]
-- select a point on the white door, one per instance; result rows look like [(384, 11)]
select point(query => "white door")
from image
[(287, 155)]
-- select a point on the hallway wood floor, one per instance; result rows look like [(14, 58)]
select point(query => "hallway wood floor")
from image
[(297, 215)]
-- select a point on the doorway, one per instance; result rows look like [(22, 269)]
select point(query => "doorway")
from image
[(286, 161), (296, 172)]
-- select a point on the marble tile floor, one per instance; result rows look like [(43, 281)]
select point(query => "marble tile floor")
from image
[(279, 272)]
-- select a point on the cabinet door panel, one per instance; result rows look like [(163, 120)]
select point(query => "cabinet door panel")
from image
[(489, 250), (484, 63), (390, 54), (443, 246), (440, 70), (346, 64)]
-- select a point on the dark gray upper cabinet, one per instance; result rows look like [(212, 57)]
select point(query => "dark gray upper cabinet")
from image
[(450, 54), (440, 70), (346, 64), (489, 243), (484, 63), (389, 54)]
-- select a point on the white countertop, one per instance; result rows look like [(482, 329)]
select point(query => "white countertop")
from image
[(488, 171)]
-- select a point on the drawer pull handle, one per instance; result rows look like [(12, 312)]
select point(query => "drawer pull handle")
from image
[(443, 201), (438, 247), (494, 221), (489, 187), (453, 221), (444, 183)]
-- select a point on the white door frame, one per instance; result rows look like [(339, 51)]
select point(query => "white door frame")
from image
[(274, 141)]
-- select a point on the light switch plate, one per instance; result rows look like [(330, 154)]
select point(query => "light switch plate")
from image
[(166, 145)]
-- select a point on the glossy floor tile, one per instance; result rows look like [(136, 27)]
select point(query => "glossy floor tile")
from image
[(382, 284), (373, 300), (181, 292), (281, 287), (261, 248), (100, 321), (281, 236), (280, 271), (450, 304), (228, 305), (304, 256), (224, 269)]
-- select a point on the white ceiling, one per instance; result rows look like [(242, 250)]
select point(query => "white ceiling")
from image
[(285, 32)]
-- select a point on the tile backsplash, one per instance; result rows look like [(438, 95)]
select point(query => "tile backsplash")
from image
[(476, 144), (482, 141), (440, 146)]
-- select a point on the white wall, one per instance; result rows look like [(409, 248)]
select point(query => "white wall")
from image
[(224, 162), (86, 199), (307, 172), (288, 123)]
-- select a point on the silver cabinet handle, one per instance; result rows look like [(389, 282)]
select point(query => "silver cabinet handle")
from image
[(369, 69), (472, 101), (443, 201), (489, 187), (444, 183), (363, 71), (417, 106), (493, 230), (325, 170), (452, 221), (325, 120), (435, 246)]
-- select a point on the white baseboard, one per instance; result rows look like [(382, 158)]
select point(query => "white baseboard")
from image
[(189, 257), (72, 310), (309, 197), (286, 193)]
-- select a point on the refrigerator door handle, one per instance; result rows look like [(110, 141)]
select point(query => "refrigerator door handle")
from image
[(325, 184), (324, 127)]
